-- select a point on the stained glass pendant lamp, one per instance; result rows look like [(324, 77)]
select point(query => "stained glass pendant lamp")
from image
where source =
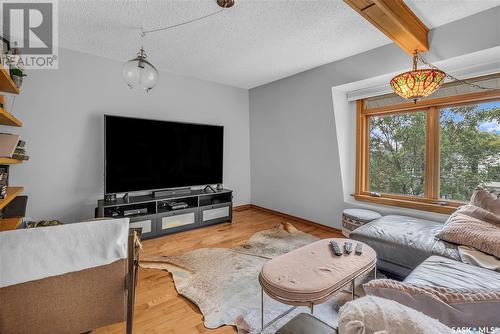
[(417, 83)]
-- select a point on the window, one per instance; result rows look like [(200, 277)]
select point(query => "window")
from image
[(428, 155), (470, 148), (397, 154)]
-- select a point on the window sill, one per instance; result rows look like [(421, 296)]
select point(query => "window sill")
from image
[(410, 203)]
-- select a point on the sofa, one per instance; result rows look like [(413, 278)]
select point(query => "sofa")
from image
[(435, 281), (402, 243)]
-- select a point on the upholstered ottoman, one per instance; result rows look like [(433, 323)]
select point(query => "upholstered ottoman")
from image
[(354, 218), (311, 274)]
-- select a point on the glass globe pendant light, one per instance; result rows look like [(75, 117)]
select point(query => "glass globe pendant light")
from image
[(139, 73)]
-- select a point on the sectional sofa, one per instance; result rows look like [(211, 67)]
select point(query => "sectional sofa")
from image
[(429, 274)]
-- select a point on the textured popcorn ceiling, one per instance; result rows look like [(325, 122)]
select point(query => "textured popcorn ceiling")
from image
[(255, 42)]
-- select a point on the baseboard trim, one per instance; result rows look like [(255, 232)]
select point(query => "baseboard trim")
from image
[(297, 219), (242, 207)]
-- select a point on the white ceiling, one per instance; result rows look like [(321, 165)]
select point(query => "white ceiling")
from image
[(253, 43)]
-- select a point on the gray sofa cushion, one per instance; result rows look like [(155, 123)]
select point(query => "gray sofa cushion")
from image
[(478, 289), (402, 242), (442, 272), (304, 323)]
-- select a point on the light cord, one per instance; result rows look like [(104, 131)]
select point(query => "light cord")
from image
[(451, 77), (144, 32)]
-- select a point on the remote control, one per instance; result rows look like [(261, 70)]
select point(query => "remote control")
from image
[(348, 247), (336, 248), (359, 248)]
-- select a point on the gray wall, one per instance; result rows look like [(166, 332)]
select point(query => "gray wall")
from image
[(295, 165), (63, 110)]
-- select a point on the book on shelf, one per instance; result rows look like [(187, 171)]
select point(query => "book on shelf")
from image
[(20, 151), (8, 144), (19, 156), (4, 175), (3, 191)]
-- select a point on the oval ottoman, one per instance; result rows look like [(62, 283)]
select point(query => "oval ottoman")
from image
[(310, 274)]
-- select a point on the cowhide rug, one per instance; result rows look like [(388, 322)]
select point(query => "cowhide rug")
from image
[(223, 282)]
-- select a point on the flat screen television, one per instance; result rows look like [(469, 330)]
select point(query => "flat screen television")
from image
[(146, 155)]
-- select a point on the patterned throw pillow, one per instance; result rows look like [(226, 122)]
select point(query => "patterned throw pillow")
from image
[(465, 230), (483, 199), (453, 307), (479, 213)]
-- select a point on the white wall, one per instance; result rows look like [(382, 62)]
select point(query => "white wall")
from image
[(294, 151), (62, 111)]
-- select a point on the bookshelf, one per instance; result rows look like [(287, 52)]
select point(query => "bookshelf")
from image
[(9, 161), (6, 118), (8, 224), (7, 85)]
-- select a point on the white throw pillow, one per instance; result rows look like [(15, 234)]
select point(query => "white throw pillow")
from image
[(453, 307), (374, 315)]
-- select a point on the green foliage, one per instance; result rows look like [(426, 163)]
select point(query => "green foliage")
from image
[(469, 155), (397, 148)]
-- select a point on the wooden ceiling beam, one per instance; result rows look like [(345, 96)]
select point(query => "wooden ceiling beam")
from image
[(396, 20)]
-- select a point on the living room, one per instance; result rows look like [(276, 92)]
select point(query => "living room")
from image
[(159, 147)]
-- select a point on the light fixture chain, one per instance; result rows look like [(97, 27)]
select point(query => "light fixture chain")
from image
[(451, 77)]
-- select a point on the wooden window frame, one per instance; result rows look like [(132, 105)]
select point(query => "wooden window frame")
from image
[(430, 201)]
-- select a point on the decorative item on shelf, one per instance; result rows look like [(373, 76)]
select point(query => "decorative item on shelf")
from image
[(17, 71), (17, 76), (43, 223), (4, 49), (20, 151), (2, 102), (140, 73), (417, 83), (4, 181), (109, 197)]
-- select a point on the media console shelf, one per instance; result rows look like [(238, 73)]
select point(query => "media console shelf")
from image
[(155, 217)]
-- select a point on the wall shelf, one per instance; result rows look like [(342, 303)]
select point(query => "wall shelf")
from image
[(8, 224), (6, 118), (9, 161), (7, 85), (12, 193)]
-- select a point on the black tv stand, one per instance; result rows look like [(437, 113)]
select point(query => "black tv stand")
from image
[(156, 218)]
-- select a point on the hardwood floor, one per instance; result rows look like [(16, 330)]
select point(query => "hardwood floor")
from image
[(158, 307)]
